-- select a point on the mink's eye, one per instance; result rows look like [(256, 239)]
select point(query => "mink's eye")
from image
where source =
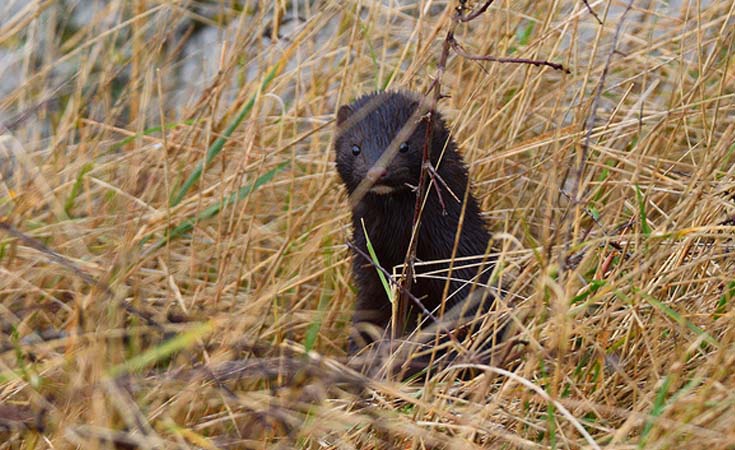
[(403, 148), (355, 149)]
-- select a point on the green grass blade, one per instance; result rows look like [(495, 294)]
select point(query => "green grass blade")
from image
[(374, 257), (645, 228), (179, 342), (726, 298), (658, 407), (681, 320), (524, 34), (593, 287), (313, 331), (219, 143), (551, 424), (213, 210), (76, 188)]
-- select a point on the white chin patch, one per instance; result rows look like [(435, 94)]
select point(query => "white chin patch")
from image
[(381, 190)]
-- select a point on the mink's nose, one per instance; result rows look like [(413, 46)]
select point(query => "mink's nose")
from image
[(376, 173)]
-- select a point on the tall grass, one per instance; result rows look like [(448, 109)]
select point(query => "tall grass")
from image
[(173, 268)]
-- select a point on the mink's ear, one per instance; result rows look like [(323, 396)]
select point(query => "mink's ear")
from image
[(343, 113)]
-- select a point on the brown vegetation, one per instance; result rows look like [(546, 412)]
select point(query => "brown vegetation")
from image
[(146, 306)]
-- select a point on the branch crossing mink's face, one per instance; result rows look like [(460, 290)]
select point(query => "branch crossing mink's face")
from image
[(365, 129)]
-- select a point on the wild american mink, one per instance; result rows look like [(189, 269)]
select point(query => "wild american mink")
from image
[(365, 128)]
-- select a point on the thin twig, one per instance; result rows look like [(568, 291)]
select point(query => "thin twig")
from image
[(457, 47), (474, 14), (436, 177), (592, 11)]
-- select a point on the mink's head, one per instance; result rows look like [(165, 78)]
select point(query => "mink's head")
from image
[(365, 129)]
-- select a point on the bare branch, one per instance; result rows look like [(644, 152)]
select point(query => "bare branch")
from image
[(474, 14), (432, 96), (457, 47), (592, 11)]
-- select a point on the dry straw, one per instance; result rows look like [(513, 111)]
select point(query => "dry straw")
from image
[(173, 268)]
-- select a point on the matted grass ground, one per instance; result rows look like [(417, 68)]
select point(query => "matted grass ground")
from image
[(145, 306)]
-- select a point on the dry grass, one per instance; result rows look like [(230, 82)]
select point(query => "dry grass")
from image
[(220, 321)]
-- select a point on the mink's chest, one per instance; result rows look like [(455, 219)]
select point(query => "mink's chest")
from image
[(388, 224)]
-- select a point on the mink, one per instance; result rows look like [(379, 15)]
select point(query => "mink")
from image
[(365, 128)]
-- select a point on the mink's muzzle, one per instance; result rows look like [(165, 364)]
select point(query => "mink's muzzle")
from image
[(376, 173)]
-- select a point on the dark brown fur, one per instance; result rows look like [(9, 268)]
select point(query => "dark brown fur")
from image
[(371, 122)]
